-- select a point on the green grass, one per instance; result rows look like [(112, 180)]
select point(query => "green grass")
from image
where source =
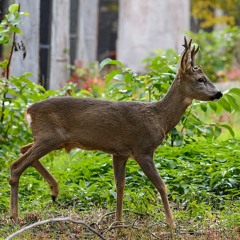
[(203, 179)]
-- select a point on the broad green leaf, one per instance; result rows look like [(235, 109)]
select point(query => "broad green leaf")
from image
[(25, 13), (112, 74), (104, 63), (127, 77), (217, 131), (235, 91), (109, 61), (16, 30), (119, 77), (13, 8), (213, 106), (232, 102), (225, 104), (228, 128), (203, 107)]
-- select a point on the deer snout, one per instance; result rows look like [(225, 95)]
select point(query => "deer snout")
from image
[(218, 95)]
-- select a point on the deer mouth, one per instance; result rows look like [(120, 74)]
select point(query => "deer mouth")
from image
[(217, 96)]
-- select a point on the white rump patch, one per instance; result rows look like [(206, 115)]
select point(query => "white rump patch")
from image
[(29, 119)]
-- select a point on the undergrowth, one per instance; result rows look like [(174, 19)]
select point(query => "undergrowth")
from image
[(202, 179)]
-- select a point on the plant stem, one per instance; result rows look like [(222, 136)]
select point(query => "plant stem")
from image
[(7, 73)]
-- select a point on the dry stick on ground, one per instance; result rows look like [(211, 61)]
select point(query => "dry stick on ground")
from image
[(112, 227), (55, 220), (114, 212)]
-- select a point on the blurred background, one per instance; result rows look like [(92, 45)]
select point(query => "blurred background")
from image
[(62, 33)]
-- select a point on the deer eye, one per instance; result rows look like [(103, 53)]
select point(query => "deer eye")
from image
[(201, 80)]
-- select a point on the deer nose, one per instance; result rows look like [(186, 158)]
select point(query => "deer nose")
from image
[(218, 95)]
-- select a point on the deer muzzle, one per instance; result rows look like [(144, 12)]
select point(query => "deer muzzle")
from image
[(217, 96)]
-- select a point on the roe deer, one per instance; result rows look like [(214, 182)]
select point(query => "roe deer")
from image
[(123, 129)]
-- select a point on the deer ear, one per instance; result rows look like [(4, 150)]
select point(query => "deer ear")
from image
[(187, 57), (186, 61)]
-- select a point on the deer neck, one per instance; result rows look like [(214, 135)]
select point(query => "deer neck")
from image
[(172, 107)]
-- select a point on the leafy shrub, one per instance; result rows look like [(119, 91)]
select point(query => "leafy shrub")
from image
[(200, 172), (123, 84), (218, 50)]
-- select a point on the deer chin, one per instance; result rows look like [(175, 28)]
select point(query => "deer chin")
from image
[(188, 100)]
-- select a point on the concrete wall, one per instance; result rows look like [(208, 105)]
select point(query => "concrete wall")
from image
[(145, 26)]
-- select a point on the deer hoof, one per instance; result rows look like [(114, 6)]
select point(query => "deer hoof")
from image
[(171, 224), (54, 198), (14, 220)]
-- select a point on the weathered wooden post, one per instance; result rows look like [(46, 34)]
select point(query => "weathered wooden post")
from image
[(87, 30), (30, 38), (59, 71)]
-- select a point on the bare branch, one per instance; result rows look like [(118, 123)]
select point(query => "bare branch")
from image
[(124, 210), (55, 220)]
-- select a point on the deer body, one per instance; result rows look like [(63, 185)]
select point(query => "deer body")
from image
[(118, 128), (123, 129)]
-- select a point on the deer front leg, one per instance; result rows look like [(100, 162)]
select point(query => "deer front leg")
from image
[(52, 182), (147, 165), (119, 167)]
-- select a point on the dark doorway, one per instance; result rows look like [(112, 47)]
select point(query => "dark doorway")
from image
[(45, 41), (107, 29)]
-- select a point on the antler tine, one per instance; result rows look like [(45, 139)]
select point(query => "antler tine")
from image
[(186, 46), (192, 56), (193, 53), (185, 43), (196, 50), (190, 42)]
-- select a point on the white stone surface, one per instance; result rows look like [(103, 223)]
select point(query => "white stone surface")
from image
[(145, 26)]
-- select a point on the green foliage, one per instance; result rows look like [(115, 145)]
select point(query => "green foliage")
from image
[(11, 123), (8, 25), (202, 172), (22, 92), (123, 84), (218, 50), (205, 12)]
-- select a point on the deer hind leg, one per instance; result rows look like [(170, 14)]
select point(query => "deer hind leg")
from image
[(25, 148), (35, 152), (119, 167), (52, 182), (147, 165)]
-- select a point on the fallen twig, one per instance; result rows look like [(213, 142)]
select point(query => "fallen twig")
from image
[(55, 220), (124, 210)]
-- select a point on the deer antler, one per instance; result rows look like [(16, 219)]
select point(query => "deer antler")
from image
[(189, 59), (193, 53), (187, 47)]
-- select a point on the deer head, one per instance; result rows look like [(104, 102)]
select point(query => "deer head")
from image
[(196, 85)]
